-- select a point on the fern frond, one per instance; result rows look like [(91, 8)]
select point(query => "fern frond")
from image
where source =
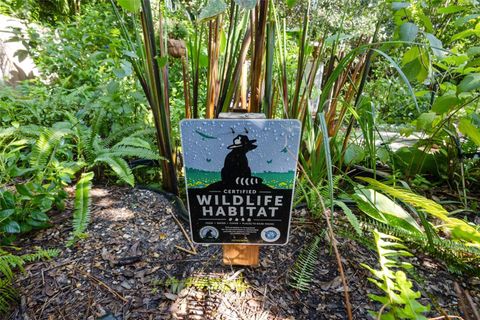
[(7, 295), (133, 142), (123, 132), (301, 274), (399, 301), (30, 130), (45, 145), (458, 256), (8, 262), (125, 151), (119, 166), (81, 213), (41, 254)]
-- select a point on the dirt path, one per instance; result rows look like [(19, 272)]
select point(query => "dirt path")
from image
[(129, 268)]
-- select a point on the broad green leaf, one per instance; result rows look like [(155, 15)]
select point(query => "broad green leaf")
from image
[(39, 216), (383, 209), (354, 154), (414, 64), (130, 5), (463, 231), (456, 60), (473, 51), (451, 9), (11, 227), (212, 9), (469, 83), (444, 103), (162, 61), (383, 154), (436, 45), (400, 5), (425, 120), (466, 19), (250, 4), (408, 31), (4, 214), (465, 34), (467, 128), (350, 216), (23, 190)]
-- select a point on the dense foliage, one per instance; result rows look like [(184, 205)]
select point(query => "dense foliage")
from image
[(116, 79)]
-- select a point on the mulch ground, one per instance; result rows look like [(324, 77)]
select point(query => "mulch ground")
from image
[(122, 271)]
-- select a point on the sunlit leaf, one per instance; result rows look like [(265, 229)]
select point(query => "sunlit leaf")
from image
[(354, 154), (436, 45), (130, 5), (425, 120), (467, 128), (444, 103), (212, 9), (408, 31), (451, 9), (400, 5), (383, 209), (247, 4)]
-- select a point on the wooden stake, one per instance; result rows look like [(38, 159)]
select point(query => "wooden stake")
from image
[(241, 254)]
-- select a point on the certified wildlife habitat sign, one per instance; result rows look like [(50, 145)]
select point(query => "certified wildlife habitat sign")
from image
[(240, 176)]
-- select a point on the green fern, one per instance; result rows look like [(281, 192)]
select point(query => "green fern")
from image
[(41, 254), (7, 295), (123, 132), (81, 213), (301, 274), (119, 166), (8, 264), (127, 151), (400, 300), (45, 146)]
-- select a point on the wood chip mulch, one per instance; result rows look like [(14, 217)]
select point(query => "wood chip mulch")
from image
[(121, 271)]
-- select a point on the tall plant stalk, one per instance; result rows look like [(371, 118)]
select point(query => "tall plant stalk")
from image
[(153, 79)]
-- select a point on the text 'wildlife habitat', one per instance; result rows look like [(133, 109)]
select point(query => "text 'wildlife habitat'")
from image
[(240, 176)]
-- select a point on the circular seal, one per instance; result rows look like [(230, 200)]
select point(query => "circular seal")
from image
[(270, 234), (209, 233)]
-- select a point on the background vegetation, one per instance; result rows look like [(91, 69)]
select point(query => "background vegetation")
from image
[(117, 77)]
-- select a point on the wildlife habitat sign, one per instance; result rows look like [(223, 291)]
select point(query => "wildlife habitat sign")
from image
[(240, 177)]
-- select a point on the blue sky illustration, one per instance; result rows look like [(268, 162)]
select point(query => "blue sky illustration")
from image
[(205, 142)]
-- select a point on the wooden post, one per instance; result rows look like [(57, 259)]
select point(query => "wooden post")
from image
[(241, 254)]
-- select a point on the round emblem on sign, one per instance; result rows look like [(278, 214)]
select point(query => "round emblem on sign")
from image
[(270, 234), (209, 233)]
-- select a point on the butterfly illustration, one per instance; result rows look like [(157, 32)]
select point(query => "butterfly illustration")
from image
[(284, 150), (269, 161), (208, 160)]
